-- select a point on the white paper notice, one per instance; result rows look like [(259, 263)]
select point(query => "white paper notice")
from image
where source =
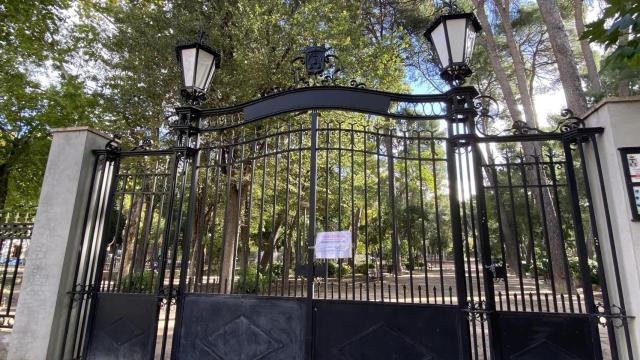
[(333, 245)]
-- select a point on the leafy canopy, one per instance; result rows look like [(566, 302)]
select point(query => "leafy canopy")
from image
[(620, 19)]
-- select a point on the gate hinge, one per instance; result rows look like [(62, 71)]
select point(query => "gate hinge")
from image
[(81, 291), (617, 315)]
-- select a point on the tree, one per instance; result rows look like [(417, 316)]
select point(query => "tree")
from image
[(618, 30), (33, 44), (587, 53), (565, 58)]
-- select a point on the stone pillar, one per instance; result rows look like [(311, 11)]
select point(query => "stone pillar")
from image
[(620, 118), (57, 232)]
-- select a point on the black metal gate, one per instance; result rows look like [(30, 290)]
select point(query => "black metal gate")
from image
[(468, 242)]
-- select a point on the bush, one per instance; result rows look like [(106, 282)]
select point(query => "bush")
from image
[(362, 268), (138, 282), (276, 270), (416, 264), (574, 267), (332, 270), (246, 283)]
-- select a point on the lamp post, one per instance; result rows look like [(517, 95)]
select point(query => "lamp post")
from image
[(453, 37), (198, 62)]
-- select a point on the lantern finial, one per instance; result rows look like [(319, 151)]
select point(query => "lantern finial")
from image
[(198, 62), (452, 36)]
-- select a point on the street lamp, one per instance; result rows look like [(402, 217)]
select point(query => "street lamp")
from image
[(198, 63), (453, 36)]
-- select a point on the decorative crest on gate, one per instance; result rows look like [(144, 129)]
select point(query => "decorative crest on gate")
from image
[(317, 66)]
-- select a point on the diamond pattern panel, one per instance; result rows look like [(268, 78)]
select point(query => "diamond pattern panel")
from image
[(241, 340), (528, 336), (241, 328), (123, 327), (375, 331), (382, 342), (542, 350), (122, 331)]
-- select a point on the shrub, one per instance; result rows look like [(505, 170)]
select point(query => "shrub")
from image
[(332, 270), (246, 283), (138, 282), (362, 268), (416, 264), (574, 267)]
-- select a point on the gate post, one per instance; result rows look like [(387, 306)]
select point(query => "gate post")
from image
[(581, 247), (57, 235), (461, 116), (618, 234), (313, 174), (187, 150)]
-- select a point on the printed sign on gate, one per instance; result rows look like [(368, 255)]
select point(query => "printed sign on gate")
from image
[(333, 245)]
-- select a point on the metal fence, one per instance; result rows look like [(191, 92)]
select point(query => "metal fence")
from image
[(15, 238)]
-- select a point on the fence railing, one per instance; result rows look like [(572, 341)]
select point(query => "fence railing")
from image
[(15, 238)]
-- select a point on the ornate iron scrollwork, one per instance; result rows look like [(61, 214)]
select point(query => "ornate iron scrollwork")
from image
[(317, 66), (488, 124), (570, 122)]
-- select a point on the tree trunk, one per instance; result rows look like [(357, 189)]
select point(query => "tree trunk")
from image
[(587, 53), (230, 235), (269, 245), (354, 236), (133, 252), (489, 42), (530, 149), (624, 84), (4, 183), (564, 55), (287, 255), (245, 235), (201, 221), (508, 227), (518, 64), (395, 245), (506, 223)]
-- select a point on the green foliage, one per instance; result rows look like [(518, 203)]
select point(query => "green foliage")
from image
[(332, 269), (249, 283), (362, 268), (38, 92), (574, 267), (620, 17), (139, 282), (111, 65)]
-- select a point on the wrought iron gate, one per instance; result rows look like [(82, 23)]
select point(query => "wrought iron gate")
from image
[(468, 242)]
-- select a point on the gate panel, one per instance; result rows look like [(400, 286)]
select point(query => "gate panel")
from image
[(533, 336), (376, 331), (243, 328), (544, 265), (124, 327)]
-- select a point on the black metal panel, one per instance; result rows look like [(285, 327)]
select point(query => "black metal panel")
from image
[(376, 331), (529, 336), (319, 98), (242, 328), (124, 327)]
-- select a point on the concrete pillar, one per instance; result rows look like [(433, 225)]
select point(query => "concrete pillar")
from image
[(57, 232), (620, 118)]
